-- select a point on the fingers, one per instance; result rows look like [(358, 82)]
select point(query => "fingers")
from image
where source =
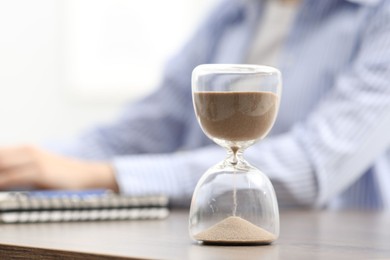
[(15, 156), (16, 176)]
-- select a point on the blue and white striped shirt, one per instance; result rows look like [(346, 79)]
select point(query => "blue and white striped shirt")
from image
[(330, 145)]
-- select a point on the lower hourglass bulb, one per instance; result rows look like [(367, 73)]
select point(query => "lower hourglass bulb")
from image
[(233, 202)]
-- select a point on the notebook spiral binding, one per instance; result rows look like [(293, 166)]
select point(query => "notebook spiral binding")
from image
[(90, 205)]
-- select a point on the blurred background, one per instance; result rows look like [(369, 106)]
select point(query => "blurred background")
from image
[(66, 65)]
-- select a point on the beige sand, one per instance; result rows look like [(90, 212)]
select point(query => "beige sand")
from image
[(235, 230)]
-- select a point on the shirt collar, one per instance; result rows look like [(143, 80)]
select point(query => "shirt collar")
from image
[(365, 2)]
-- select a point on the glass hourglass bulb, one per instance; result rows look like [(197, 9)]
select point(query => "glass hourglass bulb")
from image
[(234, 202)]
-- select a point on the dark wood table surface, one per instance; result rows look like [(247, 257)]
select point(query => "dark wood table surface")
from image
[(304, 235)]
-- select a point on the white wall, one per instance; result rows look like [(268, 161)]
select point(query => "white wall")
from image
[(65, 65)]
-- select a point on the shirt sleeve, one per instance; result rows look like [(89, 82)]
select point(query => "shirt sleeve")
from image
[(175, 175)]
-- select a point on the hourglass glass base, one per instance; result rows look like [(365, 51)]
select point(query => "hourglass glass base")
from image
[(234, 206)]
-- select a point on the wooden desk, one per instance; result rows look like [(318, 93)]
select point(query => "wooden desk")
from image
[(304, 235)]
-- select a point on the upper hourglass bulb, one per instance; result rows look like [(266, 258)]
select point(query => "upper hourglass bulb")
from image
[(239, 104), (235, 118), (236, 105)]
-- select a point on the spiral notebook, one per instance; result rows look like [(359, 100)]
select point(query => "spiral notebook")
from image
[(87, 205)]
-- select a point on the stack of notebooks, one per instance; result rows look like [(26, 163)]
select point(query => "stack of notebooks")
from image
[(90, 205)]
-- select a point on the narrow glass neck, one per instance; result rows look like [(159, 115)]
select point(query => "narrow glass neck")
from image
[(234, 156)]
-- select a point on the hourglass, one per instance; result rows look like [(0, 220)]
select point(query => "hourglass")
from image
[(234, 202)]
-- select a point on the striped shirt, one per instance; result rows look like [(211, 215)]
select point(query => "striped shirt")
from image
[(330, 145)]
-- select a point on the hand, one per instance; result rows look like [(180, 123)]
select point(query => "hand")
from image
[(29, 166)]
